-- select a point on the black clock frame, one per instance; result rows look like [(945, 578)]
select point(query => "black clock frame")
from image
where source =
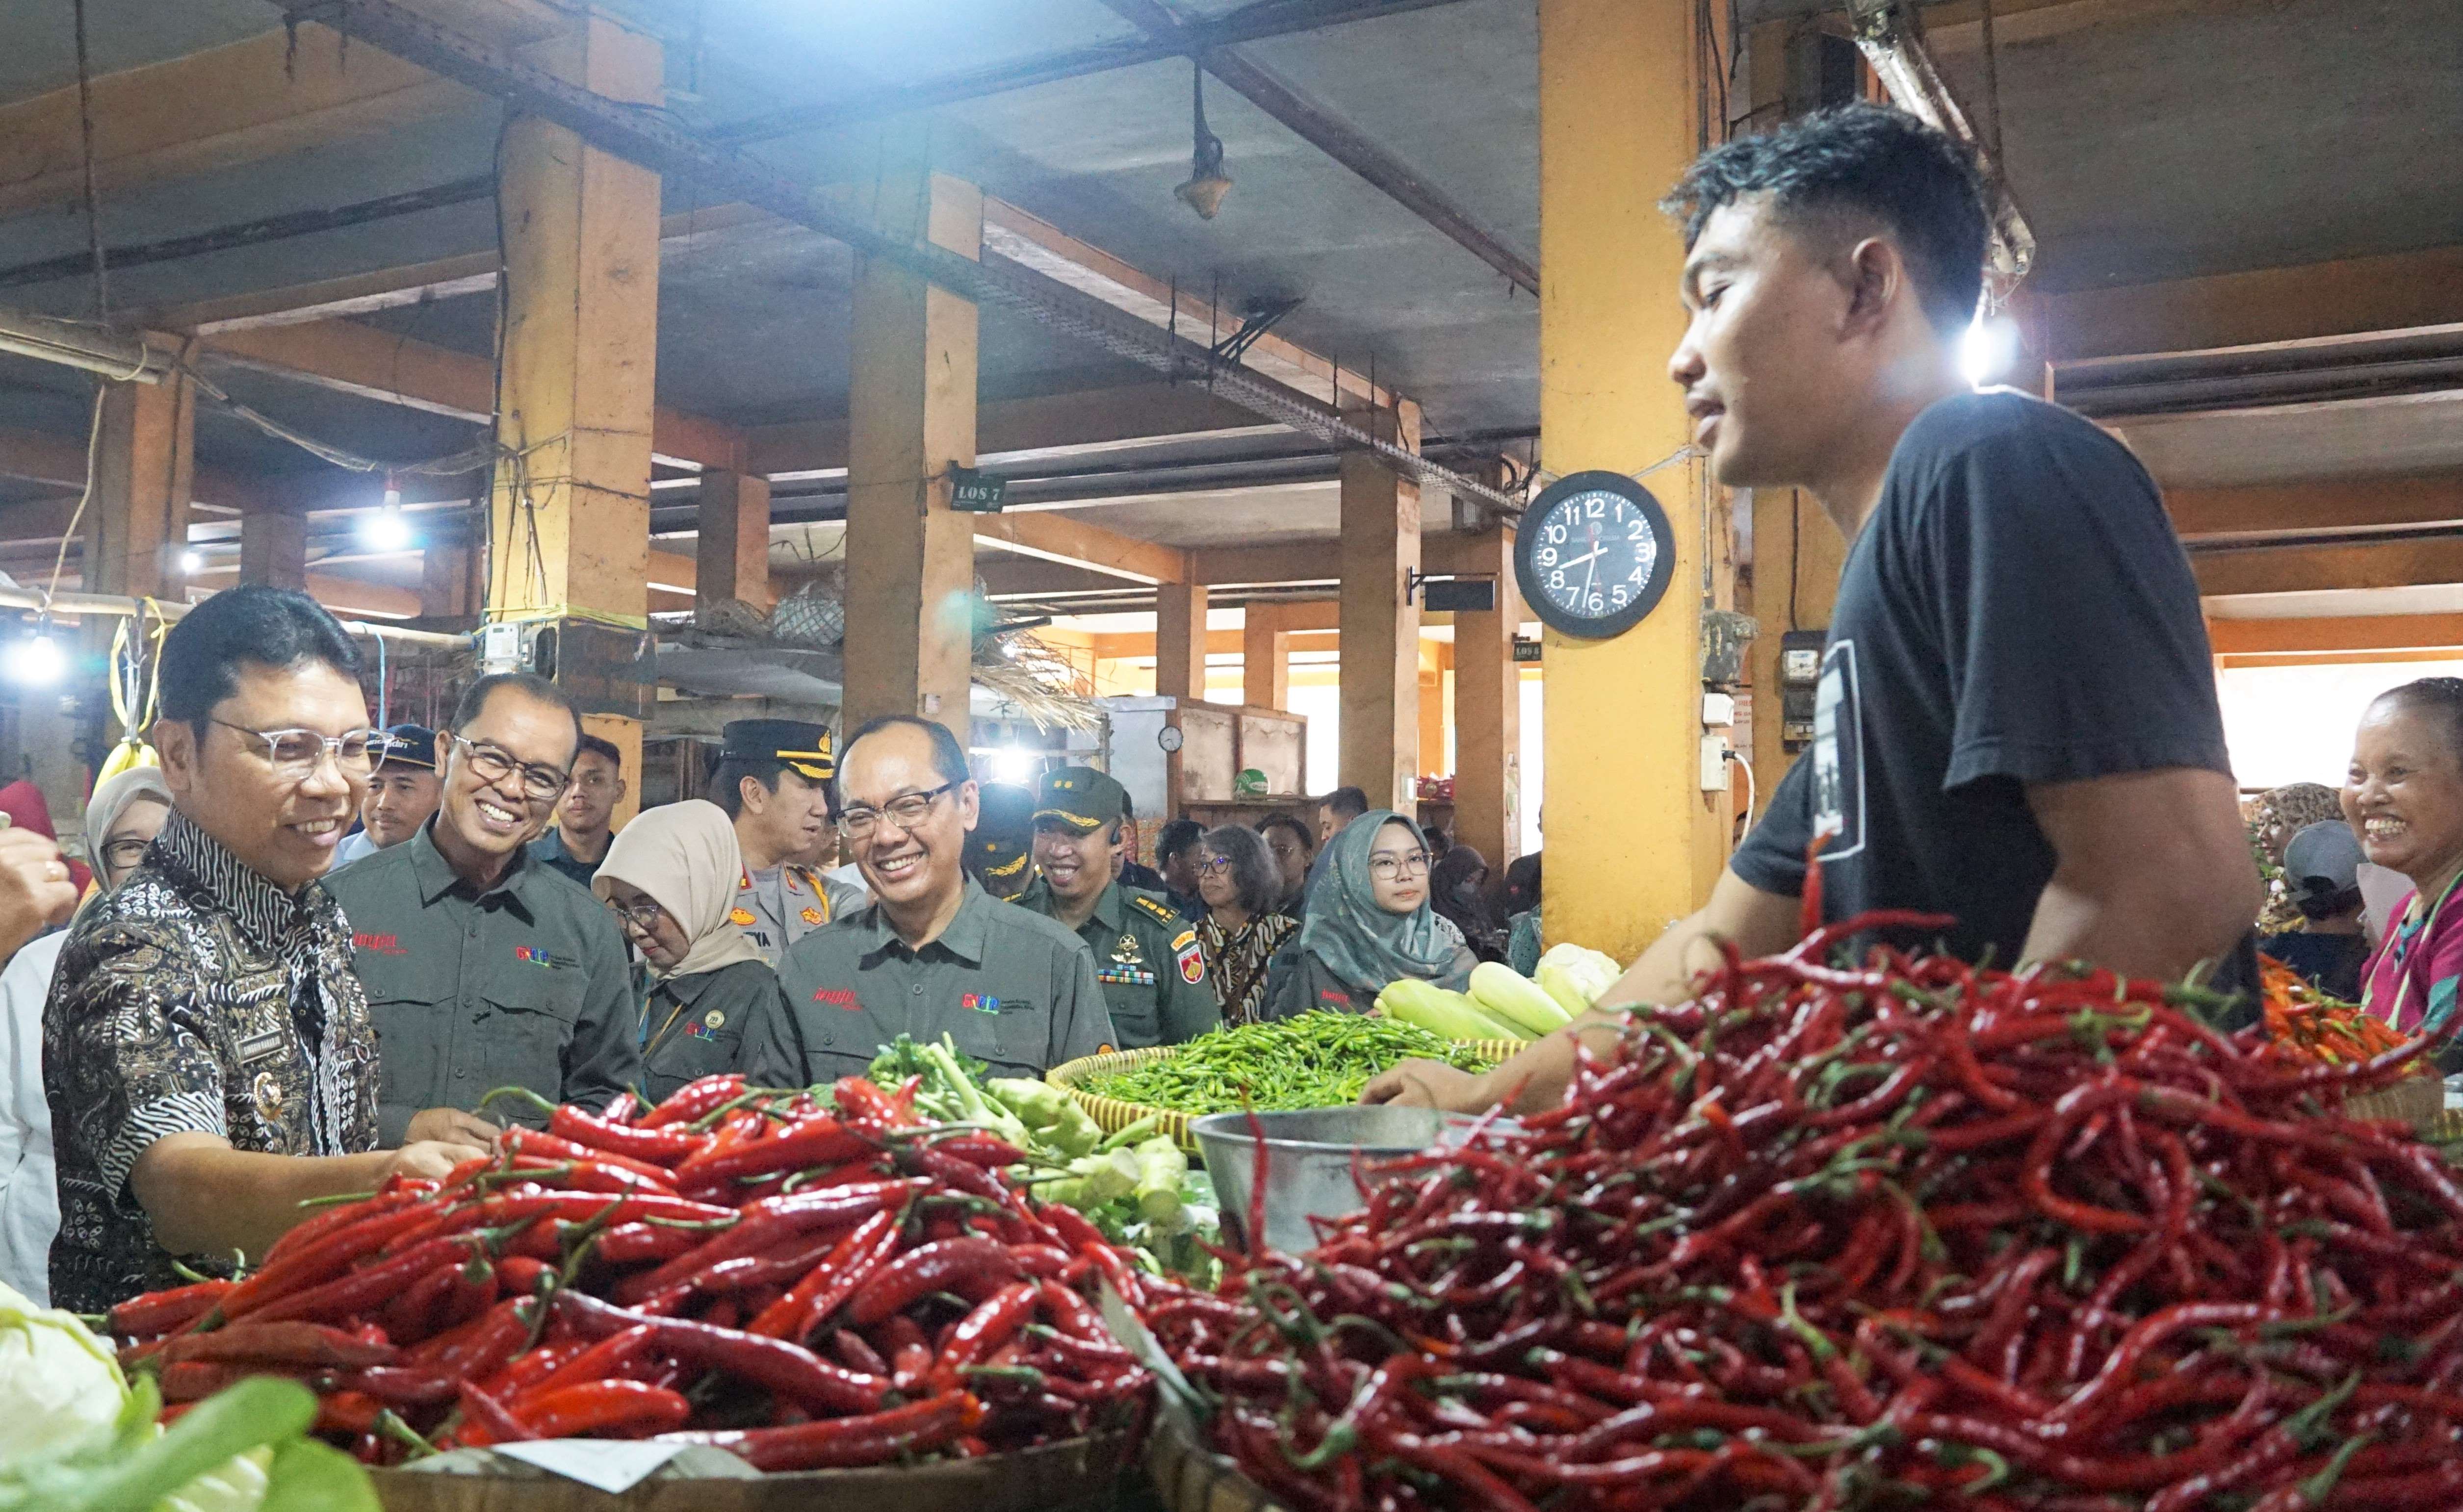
[(1605, 627)]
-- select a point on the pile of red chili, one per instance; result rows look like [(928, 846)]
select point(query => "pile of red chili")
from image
[(807, 1284), (1872, 1236)]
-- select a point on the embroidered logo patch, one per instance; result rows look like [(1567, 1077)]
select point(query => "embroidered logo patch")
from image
[(534, 955), (1191, 961), (378, 944), (837, 996), (811, 916), (707, 1028), (739, 917), (979, 1001)]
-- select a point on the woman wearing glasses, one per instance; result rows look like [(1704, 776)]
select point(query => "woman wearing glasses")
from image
[(714, 1005), (1369, 923), (1243, 925)]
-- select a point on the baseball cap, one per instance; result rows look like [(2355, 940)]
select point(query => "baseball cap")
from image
[(412, 746), (2321, 861), (1004, 832), (1081, 797)]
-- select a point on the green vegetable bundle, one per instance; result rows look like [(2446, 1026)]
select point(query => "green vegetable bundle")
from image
[(1315, 1060)]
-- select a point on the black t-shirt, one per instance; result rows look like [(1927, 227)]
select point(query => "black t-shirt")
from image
[(2016, 610)]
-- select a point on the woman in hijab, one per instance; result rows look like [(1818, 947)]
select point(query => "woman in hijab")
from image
[(714, 1005), (1458, 890), (120, 821), (1369, 923)]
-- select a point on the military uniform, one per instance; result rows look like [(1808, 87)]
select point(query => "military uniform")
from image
[(523, 985), (1011, 987), (1146, 955), (1001, 847), (1147, 960), (777, 907), (711, 1023)]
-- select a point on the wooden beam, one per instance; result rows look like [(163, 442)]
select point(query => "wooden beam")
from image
[(2397, 291), (2337, 504), (353, 359), (226, 106), (2292, 569), (1078, 422), (731, 546), (673, 572), (344, 596), (40, 457), (1381, 623), (1300, 562), (1958, 26), (410, 284), (2340, 632), (1055, 537), (1265, 659), (1023, 237)]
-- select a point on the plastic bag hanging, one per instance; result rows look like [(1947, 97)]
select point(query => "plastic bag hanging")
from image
[(135, 674)]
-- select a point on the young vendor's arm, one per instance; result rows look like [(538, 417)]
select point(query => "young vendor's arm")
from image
[(1759, 922), (2151, 872), (206, 1197)]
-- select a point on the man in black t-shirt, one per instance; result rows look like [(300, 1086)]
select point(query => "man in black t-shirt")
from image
[(2016, 722)]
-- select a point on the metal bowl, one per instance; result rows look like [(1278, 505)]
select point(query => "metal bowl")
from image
[(1311, 1156)]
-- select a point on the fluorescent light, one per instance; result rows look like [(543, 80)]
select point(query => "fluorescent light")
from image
[(1986, 348), (35, 660)]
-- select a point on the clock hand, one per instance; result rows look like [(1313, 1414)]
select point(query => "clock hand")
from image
[(1580, 560)]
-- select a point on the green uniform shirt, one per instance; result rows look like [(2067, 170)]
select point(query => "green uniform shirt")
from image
[(524, 985), (780, 906), (711, 1023), (1012, 990), (1147, 960)]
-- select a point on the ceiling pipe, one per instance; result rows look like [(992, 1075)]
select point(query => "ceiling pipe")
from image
[(72, 343)]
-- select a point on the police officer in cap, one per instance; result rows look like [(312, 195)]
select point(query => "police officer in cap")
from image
[(1145, 954), (1000, 847), (773, 781)]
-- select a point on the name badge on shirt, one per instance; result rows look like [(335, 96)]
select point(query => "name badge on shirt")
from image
[(260, 1046)]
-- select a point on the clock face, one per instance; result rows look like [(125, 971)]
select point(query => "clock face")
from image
[(1594, 554)]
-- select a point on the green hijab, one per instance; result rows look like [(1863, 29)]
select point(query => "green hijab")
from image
[(1362, 944)]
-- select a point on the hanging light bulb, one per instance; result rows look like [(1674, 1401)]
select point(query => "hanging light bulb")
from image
[(35, 661), (386, 530), (1206, 183), (192, 562)]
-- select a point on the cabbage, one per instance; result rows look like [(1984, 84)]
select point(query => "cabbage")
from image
[(1588, 973), (58, 1382)]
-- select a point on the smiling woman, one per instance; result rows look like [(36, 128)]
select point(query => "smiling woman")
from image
[(2404, 796)]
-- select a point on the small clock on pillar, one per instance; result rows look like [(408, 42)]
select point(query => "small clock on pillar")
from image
[(1594, 554)]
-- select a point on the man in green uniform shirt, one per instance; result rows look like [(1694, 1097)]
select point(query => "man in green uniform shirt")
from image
[(1145, 954), (773, 781), (483, 967), (934, 953)]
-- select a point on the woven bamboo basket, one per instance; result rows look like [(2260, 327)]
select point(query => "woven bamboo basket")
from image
[(1188, 1477), (1113, 1115), (2419, 1101)]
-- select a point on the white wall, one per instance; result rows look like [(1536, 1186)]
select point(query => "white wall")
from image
[(2288, 725)]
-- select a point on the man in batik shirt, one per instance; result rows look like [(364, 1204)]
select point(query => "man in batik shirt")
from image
[(207, 1050)]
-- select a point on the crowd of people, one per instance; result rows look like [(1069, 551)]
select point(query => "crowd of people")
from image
[(316, 954)]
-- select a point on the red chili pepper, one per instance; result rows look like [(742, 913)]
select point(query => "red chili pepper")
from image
[(540, 1145), (328, 1255), (162, 1311), (611, 1356), (519, 1275), (988, 1328), (768, 1223), (366, 1287), (860, 1097), (808, 1302), (915, 1429), (632, 1244), (693, 1101), (488, 1421), (346, 1412), (788, 1370), (656, 1146), (302, 1344), (612, 1409), (964, 1265), (820, 1140)]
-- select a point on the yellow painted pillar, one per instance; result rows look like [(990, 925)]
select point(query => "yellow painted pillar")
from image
[(911, 416), (144, 475), (1265, 659), (1488, 711), (731, 551), (1380, 622), (570, 519), (1798, 555), (1432, 715), (1633, 843), (448, 572)]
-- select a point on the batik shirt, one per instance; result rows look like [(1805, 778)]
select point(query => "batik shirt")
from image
[(198, 999)]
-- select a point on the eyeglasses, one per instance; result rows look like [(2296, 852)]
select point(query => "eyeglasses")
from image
[(643, 915), (906, 810), (296, 754), (1389, 866), (493, 764), (1287, 850), (1214, 866), (122, 854)]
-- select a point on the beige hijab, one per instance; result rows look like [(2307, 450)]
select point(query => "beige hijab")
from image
[(684, 856)]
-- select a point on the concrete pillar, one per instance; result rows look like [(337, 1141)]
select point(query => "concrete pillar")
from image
[(274, 547), (448, 572), (1381, 623), (569, 522), (144, 477), (911, 418), (1432, 715), (1488, 711), (1180, 640), (1265, 659), (731, 555), (1633, 843)]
